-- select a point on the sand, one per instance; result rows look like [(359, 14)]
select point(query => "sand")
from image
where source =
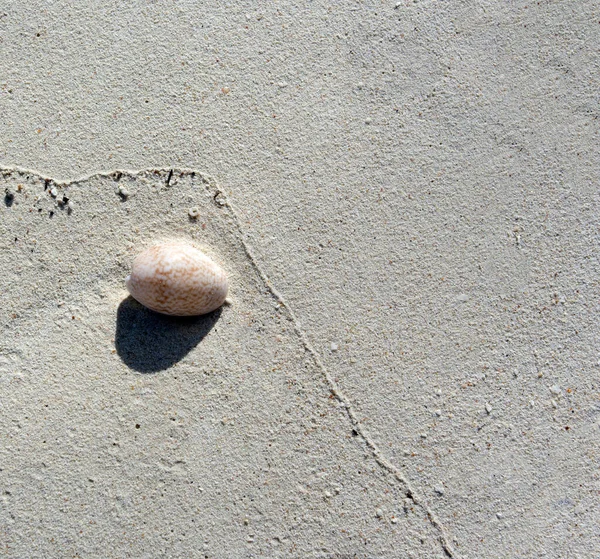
[(405, 196)]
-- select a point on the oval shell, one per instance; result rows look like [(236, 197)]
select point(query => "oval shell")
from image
[(177, 279)]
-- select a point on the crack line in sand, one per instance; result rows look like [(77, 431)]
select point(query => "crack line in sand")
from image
[(220, 198), (335, 390)]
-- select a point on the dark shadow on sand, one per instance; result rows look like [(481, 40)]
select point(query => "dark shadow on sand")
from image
[(150, 342)]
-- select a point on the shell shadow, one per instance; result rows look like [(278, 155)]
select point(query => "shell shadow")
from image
[(150, 342)]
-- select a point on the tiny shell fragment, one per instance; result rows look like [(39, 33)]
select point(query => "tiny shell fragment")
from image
[(177, 279)]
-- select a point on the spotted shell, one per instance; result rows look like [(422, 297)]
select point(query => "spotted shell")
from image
[(177, 279)]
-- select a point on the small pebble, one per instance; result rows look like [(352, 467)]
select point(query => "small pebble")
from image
[(394, 520), (554, 403), (555, 389), (488, 408), (194, 212), (9, 197), (334, 347), (439, 490), (378, 513), (122, 192), (462, 298), (360, 85), (438, 413), (499, 515), (53, 192), (368, 120), (219, 199)]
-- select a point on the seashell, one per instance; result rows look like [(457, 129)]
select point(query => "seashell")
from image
[(177, 279)]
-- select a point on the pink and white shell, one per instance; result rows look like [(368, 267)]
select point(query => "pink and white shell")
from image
[(177, 279)]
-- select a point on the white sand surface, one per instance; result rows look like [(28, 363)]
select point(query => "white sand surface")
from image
[(406, 197)]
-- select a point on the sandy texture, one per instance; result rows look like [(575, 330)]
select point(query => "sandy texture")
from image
[(231, 443), (419, 182)]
